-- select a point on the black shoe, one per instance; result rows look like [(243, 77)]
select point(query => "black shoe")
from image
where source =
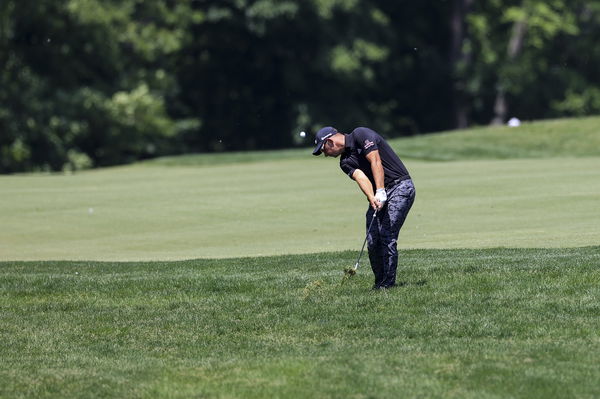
[(392, 285), (382, 287)]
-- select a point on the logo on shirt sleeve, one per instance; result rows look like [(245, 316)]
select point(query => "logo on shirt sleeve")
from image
[(368, 144)]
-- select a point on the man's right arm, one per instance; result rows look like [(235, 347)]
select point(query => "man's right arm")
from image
[(367, 188)]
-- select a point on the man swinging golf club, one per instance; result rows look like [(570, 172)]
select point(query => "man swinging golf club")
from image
[(369, 160)]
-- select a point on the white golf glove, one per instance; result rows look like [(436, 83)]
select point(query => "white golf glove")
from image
[(381, 196)]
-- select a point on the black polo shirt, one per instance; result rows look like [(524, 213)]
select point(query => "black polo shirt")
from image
[(362, 141)]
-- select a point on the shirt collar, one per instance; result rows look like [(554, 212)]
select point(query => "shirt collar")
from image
[(349, 142)]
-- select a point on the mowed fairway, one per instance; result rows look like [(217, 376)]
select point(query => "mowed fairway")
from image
[(291, 207), (221, 277)]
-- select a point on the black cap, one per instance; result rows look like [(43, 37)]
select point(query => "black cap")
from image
[(323, 135)]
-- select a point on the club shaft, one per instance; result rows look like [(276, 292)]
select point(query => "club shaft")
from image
[(365, 242)]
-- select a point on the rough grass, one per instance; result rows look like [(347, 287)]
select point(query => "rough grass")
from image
[(569, 137), (543, 139), (491, 323)]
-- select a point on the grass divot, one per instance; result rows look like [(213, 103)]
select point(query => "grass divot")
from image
[(311, 288), (348, 273)]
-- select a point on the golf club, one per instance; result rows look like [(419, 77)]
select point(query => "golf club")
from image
[(351, 271)]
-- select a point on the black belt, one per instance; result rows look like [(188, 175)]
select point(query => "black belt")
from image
[(397, 181)]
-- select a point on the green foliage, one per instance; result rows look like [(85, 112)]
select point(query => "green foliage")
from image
[(585, 102), (106, 104), (162, 77), (326, 8), (354, 59)]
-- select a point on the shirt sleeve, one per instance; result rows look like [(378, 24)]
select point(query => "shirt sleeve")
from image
[(347, 168), (366, 139)]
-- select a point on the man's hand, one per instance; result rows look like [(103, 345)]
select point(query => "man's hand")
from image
[(374, 203), (381, 196)]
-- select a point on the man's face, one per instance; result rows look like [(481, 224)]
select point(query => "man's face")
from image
[(332, 148)]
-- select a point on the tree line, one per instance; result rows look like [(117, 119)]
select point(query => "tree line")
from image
[(87, 83)]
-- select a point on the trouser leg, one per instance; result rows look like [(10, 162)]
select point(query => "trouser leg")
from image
[(400, 200)]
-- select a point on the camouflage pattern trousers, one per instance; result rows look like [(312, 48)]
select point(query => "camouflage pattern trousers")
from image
[(382, 238)]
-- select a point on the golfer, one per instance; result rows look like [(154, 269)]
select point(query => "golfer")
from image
[(369, 160)]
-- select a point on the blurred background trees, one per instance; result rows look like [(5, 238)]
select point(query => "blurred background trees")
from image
[(87, 83)]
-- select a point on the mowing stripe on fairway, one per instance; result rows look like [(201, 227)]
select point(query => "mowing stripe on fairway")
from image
[(291, 206)]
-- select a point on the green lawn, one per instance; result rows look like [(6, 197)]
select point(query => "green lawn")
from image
[(291, 206), (487, 323), (219, 276), (289, 202), (543, 139), (574, 137)]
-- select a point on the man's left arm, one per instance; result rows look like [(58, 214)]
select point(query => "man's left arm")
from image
[(378, 174)]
